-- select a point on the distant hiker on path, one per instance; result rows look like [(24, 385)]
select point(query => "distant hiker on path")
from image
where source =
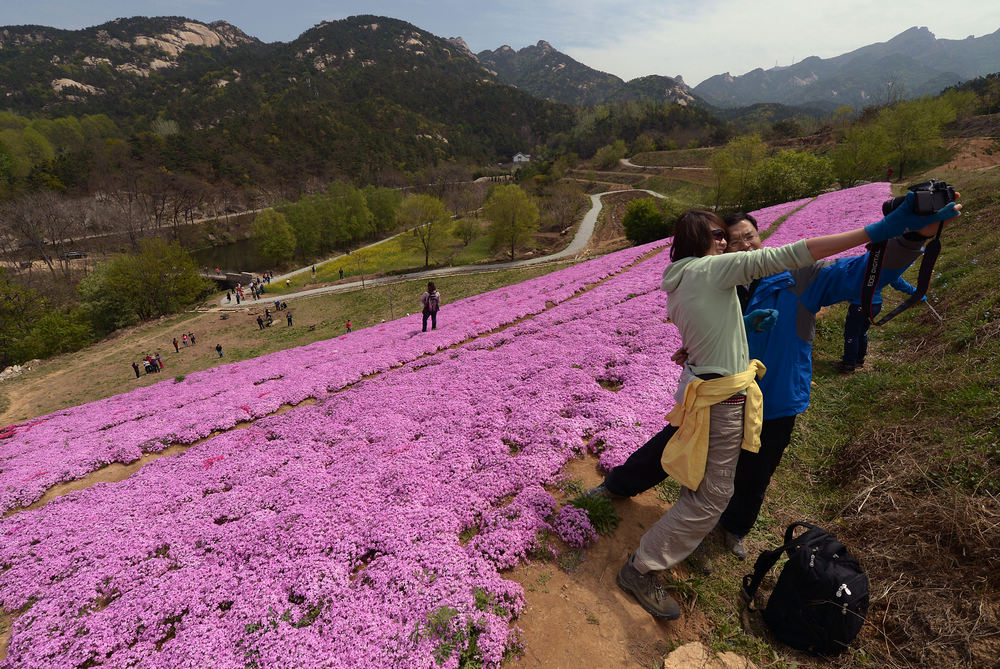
[(192, 338), (260, 322), (288, 317), (348, 326), (218, 349), (341, 272), (176, 350), (185, 339), (430, 302), (135, 368)]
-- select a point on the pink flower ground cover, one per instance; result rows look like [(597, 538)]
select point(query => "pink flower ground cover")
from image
[(834, 212), (768, 215), (69, 444), (368, 530), (329, 535)]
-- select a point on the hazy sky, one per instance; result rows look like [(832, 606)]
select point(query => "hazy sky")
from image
[(693, 38)]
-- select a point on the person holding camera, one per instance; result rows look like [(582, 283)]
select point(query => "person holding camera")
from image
[(719, 403)]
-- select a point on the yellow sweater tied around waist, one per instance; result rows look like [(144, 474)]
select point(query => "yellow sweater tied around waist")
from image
[(686, 454)]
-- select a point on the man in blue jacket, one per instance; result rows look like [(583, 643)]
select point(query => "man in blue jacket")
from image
[(786, 351)]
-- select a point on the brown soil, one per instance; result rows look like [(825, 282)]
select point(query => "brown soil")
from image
[(582, 618), (974, 153)]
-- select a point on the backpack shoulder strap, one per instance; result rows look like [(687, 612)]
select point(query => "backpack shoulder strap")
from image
[(764, 563)]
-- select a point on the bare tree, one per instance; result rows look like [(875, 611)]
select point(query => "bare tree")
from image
[(565, 203), (122, 195), (46, 224)]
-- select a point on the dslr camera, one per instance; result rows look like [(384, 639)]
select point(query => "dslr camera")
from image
[(931, 196)]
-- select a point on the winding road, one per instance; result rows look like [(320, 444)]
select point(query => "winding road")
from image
[(575, 247)]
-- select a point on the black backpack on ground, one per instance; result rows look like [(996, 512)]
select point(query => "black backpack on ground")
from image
[(821, 598)]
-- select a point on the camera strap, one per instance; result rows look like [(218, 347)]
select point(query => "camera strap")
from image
[(873, 271)]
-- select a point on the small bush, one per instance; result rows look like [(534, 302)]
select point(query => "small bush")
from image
[(600, 511)]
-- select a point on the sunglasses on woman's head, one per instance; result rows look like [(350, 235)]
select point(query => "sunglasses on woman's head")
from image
[(718, 234)]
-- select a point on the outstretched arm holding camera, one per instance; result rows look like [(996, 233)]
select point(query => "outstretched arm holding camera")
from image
[(898, 222)]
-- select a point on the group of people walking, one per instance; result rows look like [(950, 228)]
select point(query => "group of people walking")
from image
[(742, 310), (256, 287), (187, 339)]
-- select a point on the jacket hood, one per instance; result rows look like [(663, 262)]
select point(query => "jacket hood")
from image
[(673, 274)]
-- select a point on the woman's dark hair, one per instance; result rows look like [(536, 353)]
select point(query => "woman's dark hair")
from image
[(430, 287), (737, 216), (693, 234)]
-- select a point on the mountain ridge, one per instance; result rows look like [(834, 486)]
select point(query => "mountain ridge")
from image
[(546, 72), (910, 64)]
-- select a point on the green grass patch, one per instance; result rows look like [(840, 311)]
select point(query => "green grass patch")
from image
[(688, 193), (600, 511), (676, 158), (392, 256)]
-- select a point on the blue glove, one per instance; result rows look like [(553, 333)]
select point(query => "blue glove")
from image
[(902, 219), (760, 320)]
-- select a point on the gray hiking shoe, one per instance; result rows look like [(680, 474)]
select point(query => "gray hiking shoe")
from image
[(734, 543), (601, 491), (648, 591), (700, 560)]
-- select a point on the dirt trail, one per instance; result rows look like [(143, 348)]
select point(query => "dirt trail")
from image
[(582, 618)]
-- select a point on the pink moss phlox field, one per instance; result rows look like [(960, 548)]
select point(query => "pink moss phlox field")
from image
[(768, 215), (368, 529), (838, 211), (71, 443)]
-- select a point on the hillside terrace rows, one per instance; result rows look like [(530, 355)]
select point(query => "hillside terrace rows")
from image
[(342, 534), (69, 444)]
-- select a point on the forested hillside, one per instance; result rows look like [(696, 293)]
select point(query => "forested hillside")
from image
[(355, 98)]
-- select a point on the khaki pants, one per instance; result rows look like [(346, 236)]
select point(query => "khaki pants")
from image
[(679, 531)]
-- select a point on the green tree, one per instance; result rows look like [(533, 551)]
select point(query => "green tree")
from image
[(427, 218), (305, 218), (273, 236), (466, 229), (914, 129), (109, 310), (158, 280), (55, 332), (861, 155), (19, 308), (384, 204), (35, 147), (644, 222), (734, 168), (6, 165), (351, 220), (608, 156), (789, 175), (513, 218)]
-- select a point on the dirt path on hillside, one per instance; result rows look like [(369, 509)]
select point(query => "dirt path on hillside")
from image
[(974, 153), (582, 618)]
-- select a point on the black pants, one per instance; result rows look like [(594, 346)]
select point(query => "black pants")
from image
[(753, 475), (856, 334), (642, 471), (434, 320)]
